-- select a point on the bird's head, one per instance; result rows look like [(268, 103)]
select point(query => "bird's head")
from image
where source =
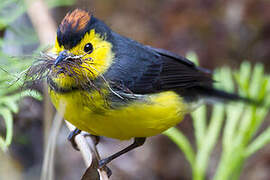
[(83, 50)]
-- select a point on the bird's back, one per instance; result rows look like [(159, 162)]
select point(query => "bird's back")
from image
[(143, 69)]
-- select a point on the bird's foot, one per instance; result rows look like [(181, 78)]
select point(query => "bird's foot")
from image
[(71, 138)]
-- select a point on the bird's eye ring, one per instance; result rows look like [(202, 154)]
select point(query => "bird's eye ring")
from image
[(88, 48)]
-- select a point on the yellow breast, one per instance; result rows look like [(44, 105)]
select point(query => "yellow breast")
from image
[(90, 112)]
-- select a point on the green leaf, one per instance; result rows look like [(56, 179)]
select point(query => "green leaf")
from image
[(55, 3), (243, 78), (12, 13), (32, 93), (7, 116), (256, 81), (192, 56), (3, 144), (258, 143), (10, 103), (182, 142), (199, 121), (209, 141)]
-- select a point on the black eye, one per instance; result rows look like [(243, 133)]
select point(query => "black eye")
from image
[(88, 48)]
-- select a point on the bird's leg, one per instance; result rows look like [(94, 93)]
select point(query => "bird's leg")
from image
[(137, 142), (71, 138)]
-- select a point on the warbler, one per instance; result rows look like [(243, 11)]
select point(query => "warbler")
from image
[(115, 87)]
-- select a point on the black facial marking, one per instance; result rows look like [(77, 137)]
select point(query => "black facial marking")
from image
[(70, 36)]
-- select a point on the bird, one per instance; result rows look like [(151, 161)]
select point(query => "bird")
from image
[(116, 87)]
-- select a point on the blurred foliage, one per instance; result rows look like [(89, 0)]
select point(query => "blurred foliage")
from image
[(12, 68), (16, 8), (10, 83), (11, 91), (241, 123)]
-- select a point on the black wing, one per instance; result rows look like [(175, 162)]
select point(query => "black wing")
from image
[(179, 73), (143, 69)]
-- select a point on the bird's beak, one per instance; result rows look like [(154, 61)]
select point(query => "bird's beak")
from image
[(62, 56)]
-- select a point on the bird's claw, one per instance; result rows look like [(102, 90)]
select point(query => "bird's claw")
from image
[(71, 138)]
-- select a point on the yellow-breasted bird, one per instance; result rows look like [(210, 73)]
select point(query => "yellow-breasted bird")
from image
[(116, 87)]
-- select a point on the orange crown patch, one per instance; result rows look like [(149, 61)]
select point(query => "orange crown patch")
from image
[(76, 20)]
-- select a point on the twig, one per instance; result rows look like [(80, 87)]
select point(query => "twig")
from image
[(89, 153), (42, 21), (47, 172), (82, 146)]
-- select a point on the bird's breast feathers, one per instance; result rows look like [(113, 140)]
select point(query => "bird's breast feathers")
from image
[(91, 112)]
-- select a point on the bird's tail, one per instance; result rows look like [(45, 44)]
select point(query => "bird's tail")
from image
[(212, 94)]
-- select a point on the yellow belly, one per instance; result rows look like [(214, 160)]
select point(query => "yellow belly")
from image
[(89, 112)]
